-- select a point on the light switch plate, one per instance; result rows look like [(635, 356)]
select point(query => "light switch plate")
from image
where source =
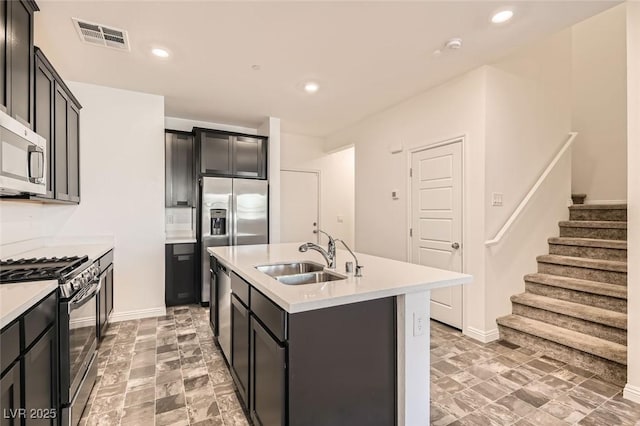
[(496, 199), (394, 194)]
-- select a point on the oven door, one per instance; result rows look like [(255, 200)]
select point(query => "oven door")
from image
[(22, 158), (83, 315)]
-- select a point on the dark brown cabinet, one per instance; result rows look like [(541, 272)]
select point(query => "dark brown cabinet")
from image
[(104, 301), (17, 62), (40, 380), (179, 170), (10, 396), (240, 347), (29, 380), (268, 376), (232, 155), (180, 274), (57, 119)]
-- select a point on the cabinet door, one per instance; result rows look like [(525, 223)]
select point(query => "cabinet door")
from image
[(179, 175), (240, 347), (10, 396), (40, 380), (4, 102), (268, 373), (109, 292), (73, 152), (61, 109), (215, 153), (21, 61), (101, 302), (249, 157), (43, 116), (213, 297)]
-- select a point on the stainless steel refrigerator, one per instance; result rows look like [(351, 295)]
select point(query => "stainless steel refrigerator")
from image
[(232, 212)]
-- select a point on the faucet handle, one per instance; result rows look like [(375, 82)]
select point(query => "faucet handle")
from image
[(348, 266), (358, 271)]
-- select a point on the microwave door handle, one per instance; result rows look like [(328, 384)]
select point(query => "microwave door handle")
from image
[(36, 170)]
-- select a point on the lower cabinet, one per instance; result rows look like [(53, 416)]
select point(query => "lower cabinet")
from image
[(40, 380), (104, 300), (10, 396), (29, 382), (240, 347), (180, 274), (268, 374)]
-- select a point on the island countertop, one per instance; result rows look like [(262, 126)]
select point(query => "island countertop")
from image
[(381, 277)]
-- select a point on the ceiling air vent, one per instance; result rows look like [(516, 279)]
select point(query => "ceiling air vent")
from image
[(101, 35)]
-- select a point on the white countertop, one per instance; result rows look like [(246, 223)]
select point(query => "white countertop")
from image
[(180, 240), (16, 298), (381, 277)]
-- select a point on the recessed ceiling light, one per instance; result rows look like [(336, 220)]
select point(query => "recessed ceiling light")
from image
[(255, 67), (311, 87), (502, 16), (453, 44), (160, 53)]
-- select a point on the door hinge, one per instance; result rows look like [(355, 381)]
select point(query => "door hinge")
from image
[(411, 232), (410, 171)]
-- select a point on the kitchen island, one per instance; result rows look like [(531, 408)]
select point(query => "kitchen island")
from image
[(352, 351)]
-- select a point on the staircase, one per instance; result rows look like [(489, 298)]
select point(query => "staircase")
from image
[(575, 307)]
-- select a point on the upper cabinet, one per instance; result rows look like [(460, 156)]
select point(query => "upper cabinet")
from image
[(224, 154), (179, 170), (16, 59), (57, 119)]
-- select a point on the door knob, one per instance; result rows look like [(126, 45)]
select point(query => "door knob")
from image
[(455, 246)]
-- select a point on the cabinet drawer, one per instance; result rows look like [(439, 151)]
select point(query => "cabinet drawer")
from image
[(180, 249), (240, 288), (39, 318), (105, 261), (270, 314), (9, 345)]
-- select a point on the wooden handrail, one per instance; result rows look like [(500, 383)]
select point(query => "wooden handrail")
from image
[(523, 204)]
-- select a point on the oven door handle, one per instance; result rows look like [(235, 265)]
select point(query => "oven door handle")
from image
[(76, 304)]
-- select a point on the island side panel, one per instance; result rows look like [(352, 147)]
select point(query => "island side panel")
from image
[(342, 365), (413, 359)]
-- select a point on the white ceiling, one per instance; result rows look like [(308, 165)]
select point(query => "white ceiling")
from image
[(366, 56)]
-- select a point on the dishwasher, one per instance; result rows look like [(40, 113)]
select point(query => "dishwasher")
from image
[(224, 310)]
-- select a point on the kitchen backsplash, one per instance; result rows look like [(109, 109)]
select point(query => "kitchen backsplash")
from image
[(179, 220)]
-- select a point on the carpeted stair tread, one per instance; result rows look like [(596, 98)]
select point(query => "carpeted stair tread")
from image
[(586, 286), (571, 309), (580, 262), (598, 207), (610, 224), (573, 339), (589, 242)]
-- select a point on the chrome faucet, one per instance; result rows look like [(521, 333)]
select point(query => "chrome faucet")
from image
[(329, 254), (358, 272)]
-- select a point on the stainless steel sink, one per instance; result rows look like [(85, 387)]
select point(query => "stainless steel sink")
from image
[(310, 278), (279, 269)]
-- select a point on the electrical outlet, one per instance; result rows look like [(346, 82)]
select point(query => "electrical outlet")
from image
[(496, 199), (394, 194), (170, 219), (340, 218), (419, 323)]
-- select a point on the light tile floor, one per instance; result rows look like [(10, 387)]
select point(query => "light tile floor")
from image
[(167, 371)]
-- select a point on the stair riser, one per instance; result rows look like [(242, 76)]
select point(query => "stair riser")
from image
[(609, 370), (600, 214), (576, 296), (597, 233), (612, 334), (583, 273), (588, 252)]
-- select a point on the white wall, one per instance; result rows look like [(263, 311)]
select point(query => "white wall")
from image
[(122, 191), (632, 390), (337, 184), (600, 106), (20, 221), (528, 121), (453, 109)]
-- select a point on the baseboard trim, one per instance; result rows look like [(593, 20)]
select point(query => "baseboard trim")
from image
[(138, 314), (632, 393), (482, 336), (605, 202)]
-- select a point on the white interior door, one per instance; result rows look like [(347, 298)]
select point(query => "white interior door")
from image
[(299, 206), (436, 222)]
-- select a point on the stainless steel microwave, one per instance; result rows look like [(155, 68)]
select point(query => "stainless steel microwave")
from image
[(22, 158)]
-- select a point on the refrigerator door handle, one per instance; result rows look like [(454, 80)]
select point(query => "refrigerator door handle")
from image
[(234, 208)]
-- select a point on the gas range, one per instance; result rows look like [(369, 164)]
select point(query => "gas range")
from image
[(74, 273)]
